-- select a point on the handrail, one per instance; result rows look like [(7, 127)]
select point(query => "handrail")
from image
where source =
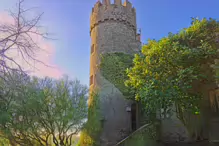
[(132, 134)]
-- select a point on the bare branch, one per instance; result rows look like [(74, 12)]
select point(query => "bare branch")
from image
[(20, 35)]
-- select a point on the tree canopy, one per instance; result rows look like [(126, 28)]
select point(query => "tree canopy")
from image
[(165, 73), (42, 111)]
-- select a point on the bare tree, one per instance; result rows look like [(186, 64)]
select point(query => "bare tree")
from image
[(20, 36)]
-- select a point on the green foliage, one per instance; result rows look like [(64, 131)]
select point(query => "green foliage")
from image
[(113, 67), (169, 69), (90, 135), (142, 137), (140, 140), (42, 111), (4, 142)]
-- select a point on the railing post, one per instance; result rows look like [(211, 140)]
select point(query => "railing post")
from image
[(121, 143)]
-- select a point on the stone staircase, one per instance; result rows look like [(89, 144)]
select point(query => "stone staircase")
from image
[(138, 138), (201, 143)]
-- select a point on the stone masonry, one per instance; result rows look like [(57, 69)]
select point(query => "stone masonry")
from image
[(112, 29)]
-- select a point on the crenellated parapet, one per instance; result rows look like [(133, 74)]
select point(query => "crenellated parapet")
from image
[(107, 11)]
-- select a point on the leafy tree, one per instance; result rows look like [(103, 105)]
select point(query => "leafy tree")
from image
[(169, 69), (43, 111)]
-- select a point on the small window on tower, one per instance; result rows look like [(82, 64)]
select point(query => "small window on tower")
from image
[(133, 116), (92, 48), (91, 80)]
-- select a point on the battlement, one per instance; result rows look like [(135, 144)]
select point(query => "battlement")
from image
[(116, 3), (107, 11)]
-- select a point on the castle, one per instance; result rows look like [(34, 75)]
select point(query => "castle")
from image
[(112, 29)]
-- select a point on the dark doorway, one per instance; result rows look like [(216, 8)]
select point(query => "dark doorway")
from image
[(133, 116)]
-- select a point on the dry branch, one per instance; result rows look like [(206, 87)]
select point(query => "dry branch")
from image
[(20, 36)]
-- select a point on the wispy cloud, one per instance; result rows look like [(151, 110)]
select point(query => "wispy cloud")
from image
[(46, 55)]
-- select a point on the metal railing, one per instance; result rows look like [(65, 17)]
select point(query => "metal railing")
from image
[(132, 134)]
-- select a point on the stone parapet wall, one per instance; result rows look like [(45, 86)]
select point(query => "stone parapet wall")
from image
[(113, 12)]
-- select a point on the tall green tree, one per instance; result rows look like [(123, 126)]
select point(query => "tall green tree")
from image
[(43, 111), (168, 69)]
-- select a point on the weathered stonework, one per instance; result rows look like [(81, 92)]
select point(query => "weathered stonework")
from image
[(121, 13), (112, 29), (173, 129)]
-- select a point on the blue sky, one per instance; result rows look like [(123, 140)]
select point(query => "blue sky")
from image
[(69, 20)]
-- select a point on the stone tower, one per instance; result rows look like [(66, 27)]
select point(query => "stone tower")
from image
[(112, 29)]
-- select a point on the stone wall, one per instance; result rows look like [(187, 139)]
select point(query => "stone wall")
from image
[(173, 129), (120, 13)]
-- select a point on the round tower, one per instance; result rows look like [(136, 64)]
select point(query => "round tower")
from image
[(112, 29)]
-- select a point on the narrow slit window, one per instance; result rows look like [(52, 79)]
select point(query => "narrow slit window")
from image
[(92, 48), (133, 117), (91, 80)]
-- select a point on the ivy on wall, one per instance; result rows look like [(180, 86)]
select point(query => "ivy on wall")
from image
[(113, 67), (90, 135)]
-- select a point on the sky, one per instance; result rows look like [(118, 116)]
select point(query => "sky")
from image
[(68, 21)]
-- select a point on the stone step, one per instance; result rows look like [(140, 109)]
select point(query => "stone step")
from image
[(204, 143)]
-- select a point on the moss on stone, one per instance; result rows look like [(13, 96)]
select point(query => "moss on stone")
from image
[(90, 135), (113, 67)]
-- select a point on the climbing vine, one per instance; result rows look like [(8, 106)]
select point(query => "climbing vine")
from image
[(113, 67), (90, 135)]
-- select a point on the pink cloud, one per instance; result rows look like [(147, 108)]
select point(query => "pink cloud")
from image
[(45, 55)]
